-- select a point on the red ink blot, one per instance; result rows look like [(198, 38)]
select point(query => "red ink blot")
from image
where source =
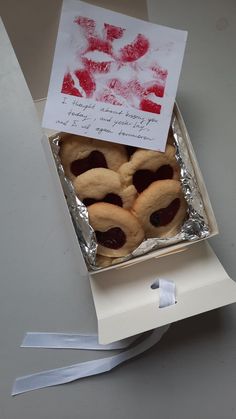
[(135, 50), (108, 97), (116, 84), (161, 73), (87, 24), (68, 86), (95, 66), (86, 82), (118, 88), (128, 89), (96, 44), (149, 106), (157, 89), (136, 88), (113, 32)]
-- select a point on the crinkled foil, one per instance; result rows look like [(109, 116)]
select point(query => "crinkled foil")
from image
[(194, 228), (78, 210)]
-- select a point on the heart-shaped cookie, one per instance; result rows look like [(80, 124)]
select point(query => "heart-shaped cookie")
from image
[(93, 160), (143, 178), (161, 208), (147, 166), (79, 154), (118, 232), (103, 185)]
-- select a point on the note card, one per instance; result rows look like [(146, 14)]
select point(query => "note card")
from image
[(114, 77)]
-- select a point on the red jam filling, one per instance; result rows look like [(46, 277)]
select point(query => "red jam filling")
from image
[(164, 216), (110, 198), (143, 178), (94, 159), (114, 238)]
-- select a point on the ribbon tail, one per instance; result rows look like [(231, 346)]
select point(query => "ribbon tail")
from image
[(85, 369), (71, 341)]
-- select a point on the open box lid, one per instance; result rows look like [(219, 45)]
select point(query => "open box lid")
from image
[(126, 305)]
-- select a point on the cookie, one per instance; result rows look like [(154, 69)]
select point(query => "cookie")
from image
[(79, 154), (161, 208), (103, 185), (105, 261), (118, 232), (147, 166)]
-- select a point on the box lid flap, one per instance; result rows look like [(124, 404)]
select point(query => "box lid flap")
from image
[(126, 304)]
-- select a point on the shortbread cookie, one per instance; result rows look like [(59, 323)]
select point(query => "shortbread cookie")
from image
[(105, 261), (103, 185), (161, 208), (79, 154), (118, 232), (147, 166)]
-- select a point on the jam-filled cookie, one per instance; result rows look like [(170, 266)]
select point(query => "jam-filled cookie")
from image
[(105, 261), (161, 208), (103, 185), (79, 154), (118, 232), (147, 166)]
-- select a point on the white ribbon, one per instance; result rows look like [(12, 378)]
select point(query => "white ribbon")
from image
[(72, 341), (77, 341), (166, 292), (84, 369)]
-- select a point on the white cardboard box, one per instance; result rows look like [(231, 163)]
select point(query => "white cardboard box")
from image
[(124, 301)]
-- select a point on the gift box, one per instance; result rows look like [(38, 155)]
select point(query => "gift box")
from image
[(124, 298), (124, 301)]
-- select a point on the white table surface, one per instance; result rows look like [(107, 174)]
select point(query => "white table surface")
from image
[(191, 372)]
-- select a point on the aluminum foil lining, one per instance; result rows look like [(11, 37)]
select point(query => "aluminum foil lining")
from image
[(194, 228)]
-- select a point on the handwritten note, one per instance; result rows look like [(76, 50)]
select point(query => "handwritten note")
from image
[(114, 77)]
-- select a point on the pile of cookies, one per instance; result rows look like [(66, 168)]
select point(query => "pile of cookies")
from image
[(131, 193)]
